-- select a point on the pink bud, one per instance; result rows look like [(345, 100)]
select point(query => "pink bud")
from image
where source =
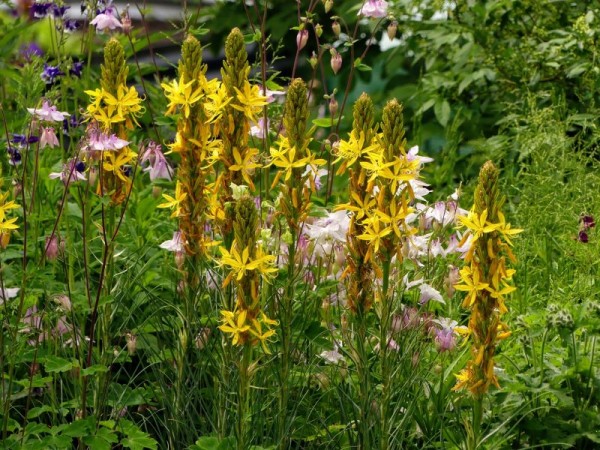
[(336, 61), (51, 247), (302, 39), (126, 22), (333, 106)]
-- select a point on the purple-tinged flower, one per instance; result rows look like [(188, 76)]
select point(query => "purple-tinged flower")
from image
[(261, 129), (106, 20), (271, 95), (71, 122), (314, 176), (48, 138), (48, 113), (51, 73), (587, 221), (583, 237), (70, 173), (155, 162), (374, 8), (430, 293), (99, 141), (445, 337), (175, 244)]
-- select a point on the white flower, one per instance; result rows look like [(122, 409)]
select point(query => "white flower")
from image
[(175, 244), (430, 293), (8, 293)]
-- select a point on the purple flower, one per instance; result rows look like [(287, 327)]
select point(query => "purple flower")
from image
[(583, 237), (374, 8), (31, 51), (14, 155), (71, 25), (51, 73), (99, 141), (175, 244), (106, 20), (587, 221), (40, 10), (445, 338), (58, 11), (76, 69)]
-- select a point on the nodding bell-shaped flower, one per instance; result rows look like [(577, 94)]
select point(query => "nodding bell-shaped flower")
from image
[(336, 61), (301, 39), (376, 9)]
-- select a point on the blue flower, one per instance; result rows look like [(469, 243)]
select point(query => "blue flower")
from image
[(50, 73)]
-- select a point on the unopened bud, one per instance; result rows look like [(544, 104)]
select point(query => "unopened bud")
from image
[(392, 29), (313, 60), (4, 239), (318, 30), (126, 22), (51, 247), (336, 61), (335, 27), (131, 340), (333, 106), (328, 5), (301, 39)]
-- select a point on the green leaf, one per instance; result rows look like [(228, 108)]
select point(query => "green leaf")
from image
[(324, 122), (58, 364), (442, 111), (96, 368), (34, 412), (138, 440)]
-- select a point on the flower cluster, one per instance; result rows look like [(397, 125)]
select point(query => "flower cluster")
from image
[(486, 281)]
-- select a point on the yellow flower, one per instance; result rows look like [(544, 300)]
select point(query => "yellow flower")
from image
[(374, 235), (180, 94), (249, 101), (362, 207), (126, 103), (4, 205), (472, 285), (505, 230), (8, 224), (241, 263), (115, 163), (216, 104), (477, 224), (236, 326), (285, 159), (245, 165), (397, 214), (174, 203), (257, 332)]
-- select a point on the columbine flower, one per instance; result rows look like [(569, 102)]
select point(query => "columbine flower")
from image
[(445, 337), (8, 293), (270, 95), (106, 20), (48, 138), (103, 142), (155, 161), (333, 356), (314, 176), (261, 129), (48, 113), (72, 171), (430, 293), (336, 61), (51, 73), (175, 244), (374, 8)]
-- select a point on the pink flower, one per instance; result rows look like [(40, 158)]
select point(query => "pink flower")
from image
[(105, 21), (374, 8), (430, 293), (48, 113), (102, 142), (261, 129), (156, 163), (270, 94), (72, 171), (175, 244), (52, 247), (445, 338), (48, 138)]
